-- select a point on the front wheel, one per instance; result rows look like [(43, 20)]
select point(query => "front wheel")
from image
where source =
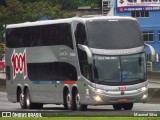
[(128, 106), (79, 106), (117, 106)]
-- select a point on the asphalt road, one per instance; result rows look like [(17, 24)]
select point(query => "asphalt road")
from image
[(5, 105)]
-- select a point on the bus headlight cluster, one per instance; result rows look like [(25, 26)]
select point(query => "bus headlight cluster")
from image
[(144, 89), (100, 91)]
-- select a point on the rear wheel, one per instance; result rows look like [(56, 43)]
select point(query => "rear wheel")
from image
[(117, 106), (68, 103), (22, 100), (79, 106), (128, 106), (29, 104)]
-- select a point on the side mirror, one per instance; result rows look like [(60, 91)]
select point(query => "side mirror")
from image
[(153, 52), (88, 52)]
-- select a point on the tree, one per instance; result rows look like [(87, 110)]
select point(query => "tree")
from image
[(2, 2), (17, 11)]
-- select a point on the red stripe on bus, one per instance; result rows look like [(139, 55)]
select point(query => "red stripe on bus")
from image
[(69, 82)]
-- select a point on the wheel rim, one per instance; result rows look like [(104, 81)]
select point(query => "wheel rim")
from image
[(78, 101), (21, 99), (27, 100), (68, 100)]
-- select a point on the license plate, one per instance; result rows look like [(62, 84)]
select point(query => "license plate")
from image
[(123, 100)]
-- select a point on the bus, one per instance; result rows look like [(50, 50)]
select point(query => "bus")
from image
[(76, 62)]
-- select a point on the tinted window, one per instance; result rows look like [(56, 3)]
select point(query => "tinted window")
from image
[(80, 34), (84, 66), (81, 38), (45, 35), (114, 34), (51, 71)]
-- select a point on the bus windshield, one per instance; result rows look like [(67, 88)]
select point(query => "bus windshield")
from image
[(108, 34), (119, 68)]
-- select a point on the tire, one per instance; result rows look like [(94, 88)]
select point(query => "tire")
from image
[(78, 105), (117, 106), (68, 102), (22, 100), (128, 106), (29, 104)]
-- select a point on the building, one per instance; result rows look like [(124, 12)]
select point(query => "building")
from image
[(147, 12)]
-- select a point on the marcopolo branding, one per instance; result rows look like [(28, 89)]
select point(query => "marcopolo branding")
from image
[(18, 61)]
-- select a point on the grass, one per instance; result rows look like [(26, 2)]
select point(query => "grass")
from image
[(85, 118)]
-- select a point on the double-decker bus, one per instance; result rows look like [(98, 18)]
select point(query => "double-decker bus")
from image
[(77, 62)]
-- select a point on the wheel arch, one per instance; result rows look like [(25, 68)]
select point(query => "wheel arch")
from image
[(25, 88), (65, 90), (18, 92)]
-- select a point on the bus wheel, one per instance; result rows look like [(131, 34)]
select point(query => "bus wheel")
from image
[(79, 106), (22, 100), (29, 104), (128, 106), (68, 101), (117, 106)]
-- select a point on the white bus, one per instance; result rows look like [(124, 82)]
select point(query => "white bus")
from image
[(77, 62)]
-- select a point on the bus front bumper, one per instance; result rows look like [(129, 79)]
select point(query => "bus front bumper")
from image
[(102, 97)]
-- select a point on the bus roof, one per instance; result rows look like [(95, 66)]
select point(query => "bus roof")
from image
[(68, 20)]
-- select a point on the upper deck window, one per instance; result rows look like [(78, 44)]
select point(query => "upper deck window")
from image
[(44, 35), (114, 34)]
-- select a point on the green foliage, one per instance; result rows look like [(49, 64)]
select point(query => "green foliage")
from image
[(17, 11), (74, 4)]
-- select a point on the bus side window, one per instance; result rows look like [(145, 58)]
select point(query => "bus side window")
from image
[(80, 34)]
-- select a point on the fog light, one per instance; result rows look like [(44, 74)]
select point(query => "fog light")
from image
[(145, 96), (98, 98)]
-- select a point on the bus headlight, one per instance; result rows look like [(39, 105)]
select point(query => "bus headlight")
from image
[(144, 89), (100, 91)]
